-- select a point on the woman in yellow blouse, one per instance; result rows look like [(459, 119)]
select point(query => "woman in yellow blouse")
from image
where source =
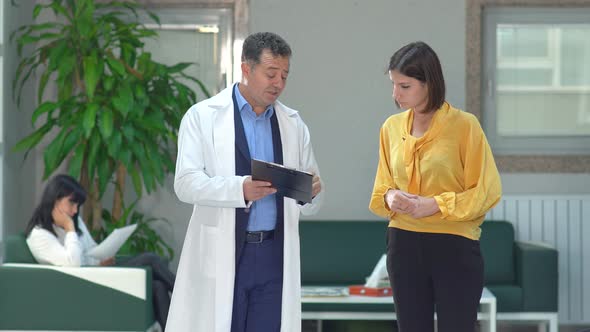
[(435, 181)]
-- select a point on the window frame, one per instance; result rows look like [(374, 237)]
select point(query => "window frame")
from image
[(191, 19), (533, 161)]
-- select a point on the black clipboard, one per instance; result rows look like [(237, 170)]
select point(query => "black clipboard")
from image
[(289, 182)]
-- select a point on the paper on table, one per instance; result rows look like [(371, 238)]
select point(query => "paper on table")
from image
[(323, 291), (379, 272), (109, 246)]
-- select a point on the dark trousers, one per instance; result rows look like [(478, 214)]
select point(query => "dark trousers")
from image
[(431, 272), (258, 288), (162, 282)]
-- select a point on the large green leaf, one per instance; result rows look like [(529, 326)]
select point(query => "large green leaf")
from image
[(37, 10), (72, 138), (59, 9), (105, 171), (77, 159), (114, 144), (54, 153), (136, 180), (129, 132), (84, 19), (66, 65), (89, 118), (33, 139), (106, 123), (125, 157), (108, 82), (92, 74), (179, 67), (116, 66), (95, 142), (123, 101), (42, 83), (42, 109), (155, 161)]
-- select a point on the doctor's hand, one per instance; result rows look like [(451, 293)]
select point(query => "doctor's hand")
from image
[(316, 186), (255, 190)]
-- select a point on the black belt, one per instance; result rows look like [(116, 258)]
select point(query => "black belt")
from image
[(259, 236)]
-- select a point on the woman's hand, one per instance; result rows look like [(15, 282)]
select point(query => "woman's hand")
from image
[(62, 220), (108, 262), (405, 203), (400, 201), (425, 207)]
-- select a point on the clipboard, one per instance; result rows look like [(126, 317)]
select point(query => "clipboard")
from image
[(289, 182)]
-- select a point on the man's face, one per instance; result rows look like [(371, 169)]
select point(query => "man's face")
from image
[(264, 82)]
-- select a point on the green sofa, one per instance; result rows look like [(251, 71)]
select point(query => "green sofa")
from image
[(42, 297), (522, 276)]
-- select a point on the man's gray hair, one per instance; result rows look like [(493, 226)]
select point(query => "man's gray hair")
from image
[(258, 42)]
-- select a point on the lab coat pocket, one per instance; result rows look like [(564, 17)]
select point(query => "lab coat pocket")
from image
[(207, 247)]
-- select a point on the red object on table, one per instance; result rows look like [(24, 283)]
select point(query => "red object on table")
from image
[(369, 291)]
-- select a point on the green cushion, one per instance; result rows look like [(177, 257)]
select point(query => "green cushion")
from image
[(16, 250), (497, 249), (45, 299), (508, 298), (352, 249), (537, 273)]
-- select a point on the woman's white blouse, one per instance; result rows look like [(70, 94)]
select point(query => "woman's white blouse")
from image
[(67, 249)]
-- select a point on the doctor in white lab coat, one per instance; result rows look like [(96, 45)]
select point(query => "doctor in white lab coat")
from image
[(203, 297)]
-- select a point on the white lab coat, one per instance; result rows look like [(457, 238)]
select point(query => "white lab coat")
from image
[(205, 177)]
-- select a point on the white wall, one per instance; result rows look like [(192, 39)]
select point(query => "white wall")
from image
[(341, 49), (19, 178)]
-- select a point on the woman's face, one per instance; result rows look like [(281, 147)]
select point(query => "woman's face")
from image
[(67, 206), (409, 92)]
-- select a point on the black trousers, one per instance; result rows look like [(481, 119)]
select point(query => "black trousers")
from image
[(162, 282), (434, 272)]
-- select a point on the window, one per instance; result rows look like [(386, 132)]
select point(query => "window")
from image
[(536, 76), (201, 36)]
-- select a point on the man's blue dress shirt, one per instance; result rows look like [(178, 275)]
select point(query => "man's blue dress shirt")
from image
[(263, 212)]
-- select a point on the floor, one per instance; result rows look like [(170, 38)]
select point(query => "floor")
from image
[(389, 326)]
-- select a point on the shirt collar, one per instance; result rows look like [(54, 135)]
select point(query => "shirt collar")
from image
[(243, 105)]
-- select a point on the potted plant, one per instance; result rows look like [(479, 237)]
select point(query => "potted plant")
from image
[(116, 111)]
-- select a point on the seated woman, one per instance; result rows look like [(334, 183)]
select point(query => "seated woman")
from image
[(56, 235)]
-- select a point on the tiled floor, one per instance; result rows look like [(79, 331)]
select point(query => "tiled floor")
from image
[(311, 326)]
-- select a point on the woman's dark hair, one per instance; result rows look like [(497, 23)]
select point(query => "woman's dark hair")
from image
[(58, 187), (258, 42), (418, 60)]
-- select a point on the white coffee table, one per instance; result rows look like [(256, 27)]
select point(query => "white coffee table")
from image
[(487, 313)]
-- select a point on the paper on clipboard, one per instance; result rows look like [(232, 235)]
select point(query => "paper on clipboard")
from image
[(289, 182), (109, 246)]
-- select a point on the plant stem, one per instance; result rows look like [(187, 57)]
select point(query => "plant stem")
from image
[(120, 189)]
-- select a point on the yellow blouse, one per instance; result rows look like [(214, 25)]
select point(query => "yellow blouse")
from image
[(452, 162)]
